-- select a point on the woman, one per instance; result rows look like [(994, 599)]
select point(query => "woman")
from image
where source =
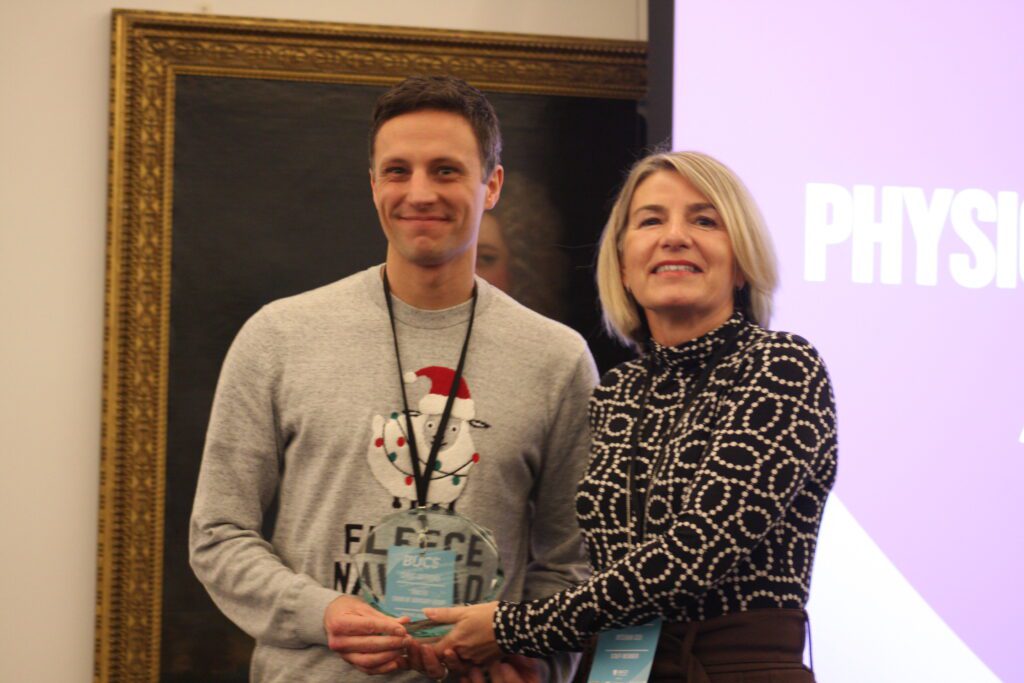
[(713, 453), (518, 252)]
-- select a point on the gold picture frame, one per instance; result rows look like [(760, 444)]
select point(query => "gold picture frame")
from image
[(150, 53)]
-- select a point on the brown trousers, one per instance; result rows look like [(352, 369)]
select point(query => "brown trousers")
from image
[(759, 646)]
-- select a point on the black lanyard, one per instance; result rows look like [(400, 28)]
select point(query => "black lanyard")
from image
[(729, 343), (422, 478)]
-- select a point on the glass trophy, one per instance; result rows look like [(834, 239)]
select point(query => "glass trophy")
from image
[(427, 558)]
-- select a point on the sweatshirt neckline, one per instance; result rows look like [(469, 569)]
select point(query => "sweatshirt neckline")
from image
[(420, 317)]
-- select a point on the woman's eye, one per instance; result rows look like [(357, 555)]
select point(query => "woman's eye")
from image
[(649, 221), (705, 222)]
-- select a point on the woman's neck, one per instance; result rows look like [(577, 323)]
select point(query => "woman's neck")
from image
[(673, 330)]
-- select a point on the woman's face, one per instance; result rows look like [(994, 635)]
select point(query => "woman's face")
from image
[(492, 253), (677, 258)]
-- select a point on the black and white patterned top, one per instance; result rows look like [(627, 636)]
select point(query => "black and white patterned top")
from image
[(733, 514)]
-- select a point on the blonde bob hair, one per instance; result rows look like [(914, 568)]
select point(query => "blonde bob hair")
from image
[(623, 316)]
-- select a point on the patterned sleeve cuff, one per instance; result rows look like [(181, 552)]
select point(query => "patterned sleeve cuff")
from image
[(504, 620), (516, 633), (537, 628)]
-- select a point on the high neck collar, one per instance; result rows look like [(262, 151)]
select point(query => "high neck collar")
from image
[(696, 351)]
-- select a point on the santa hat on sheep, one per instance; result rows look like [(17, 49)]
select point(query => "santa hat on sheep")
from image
[(440, 386)]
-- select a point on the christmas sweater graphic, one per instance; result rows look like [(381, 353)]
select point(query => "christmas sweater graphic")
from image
[(389, 454)]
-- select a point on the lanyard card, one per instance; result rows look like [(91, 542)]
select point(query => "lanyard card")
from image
[(418, 578), (625, 655)]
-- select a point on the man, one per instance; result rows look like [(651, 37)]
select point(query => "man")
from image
[(312, 382)]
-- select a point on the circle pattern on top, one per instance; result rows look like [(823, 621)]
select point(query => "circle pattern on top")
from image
[(733, 513)]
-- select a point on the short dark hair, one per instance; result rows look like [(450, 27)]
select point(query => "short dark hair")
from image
[(443, 93)]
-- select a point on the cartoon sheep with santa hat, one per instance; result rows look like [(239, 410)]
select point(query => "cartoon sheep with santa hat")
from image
[(389, 452)]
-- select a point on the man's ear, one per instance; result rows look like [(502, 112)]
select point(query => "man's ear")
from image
[(373, 185), (494, 187)]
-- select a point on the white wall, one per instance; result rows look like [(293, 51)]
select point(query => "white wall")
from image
[(54, 71)]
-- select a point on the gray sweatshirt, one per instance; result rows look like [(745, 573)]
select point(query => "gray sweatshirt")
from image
[(301, 412)]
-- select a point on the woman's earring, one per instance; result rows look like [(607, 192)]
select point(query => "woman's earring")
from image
[(741, 296)]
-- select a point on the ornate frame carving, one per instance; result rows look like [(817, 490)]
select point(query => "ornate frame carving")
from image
[(149, 50)]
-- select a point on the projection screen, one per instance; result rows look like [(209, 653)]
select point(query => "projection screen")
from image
[(883, 142)]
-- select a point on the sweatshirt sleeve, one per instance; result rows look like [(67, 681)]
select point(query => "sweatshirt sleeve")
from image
[(731, 509), (556, 549), (238, 479)]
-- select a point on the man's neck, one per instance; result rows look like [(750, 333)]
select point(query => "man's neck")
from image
[(430, 288)]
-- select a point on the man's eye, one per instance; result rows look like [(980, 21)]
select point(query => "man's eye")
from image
[(394, 170), (447, 171)]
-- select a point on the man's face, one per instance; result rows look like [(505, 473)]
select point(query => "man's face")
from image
[(429, 189)]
